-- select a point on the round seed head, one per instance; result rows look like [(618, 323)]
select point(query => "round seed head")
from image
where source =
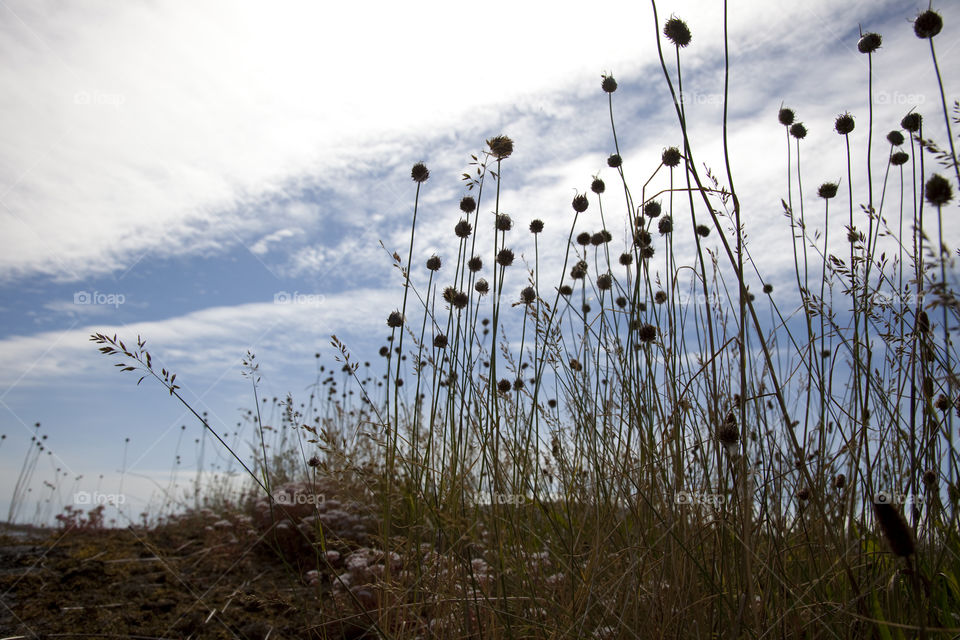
[(500, 147), (927, 24), (671, 156), (433, 263), (660, 297), (475, 264), (314, 461), (647, 333), (394, 320), (621, 302), (580, 203), (626, 259), (585, 308), (938, 190), (579, 270), (536, 226), (703, 230), (505, 257), (460, 299), (840, 481), (643, 237), (583, 239), (440, 341), (911, 122), (844, 124), (803, 494), (869, 42), (930, 477), (942, 403), (503, 386), (798, 131), (768, 288), (482, 286), (827, 190), (468, 204), (899, 158), (652, 209), (647, 252), (528, 295), (463, 229), (597, 186), (419, 173), (597, 239), (677, 31), (614, 160), (384, 351), (566, 290), (786, 116), (727, 433), (609, 84), (895, 138), (665, 225), (575, 365), (604, 282), (504, 223)]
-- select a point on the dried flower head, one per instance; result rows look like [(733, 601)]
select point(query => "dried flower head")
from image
[(598, 239), (844, 124), (895, 138), (677, 31), (583, 238), (899, 158), (894, 528), (928, 24), (942, 403), (827, 190), (604, 282), (614, 160), (598, 186), (768, 288), (566, 290), (580, 203), (923, 323), (468, 204), (786, 116), (504, 222), (803, 494), (503, 386), (643, 238), (647, 252), (938, 190), (536, 226), (482, 286), (528, 295), (798, 131), (620, 302), (626, 259), (500, 147), (460, 299), (609, 84), (433, 263), (911, 122), (314, 461), (505, 257), (727, 433), (671, 156), (665, 225), (463, 229), (394, 320), (840, 481), (647, 333), (703, 230), (652, 209), (869, 42), (579, 270), (440, 341), (929, 477), (419, 173), (660, 297), (475, 264)]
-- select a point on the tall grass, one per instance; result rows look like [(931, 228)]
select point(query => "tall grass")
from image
[(624, 463)]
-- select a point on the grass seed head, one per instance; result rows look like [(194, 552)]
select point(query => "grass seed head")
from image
[(433, 263)]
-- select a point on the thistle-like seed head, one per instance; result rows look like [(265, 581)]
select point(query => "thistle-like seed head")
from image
[(827, 190), (608, 84), (869, 42), (928, 24), (786, 116), (580, 203), (677, 31), (419, 173), (938, 190), (500, 147), (671, 156), (844, 124)]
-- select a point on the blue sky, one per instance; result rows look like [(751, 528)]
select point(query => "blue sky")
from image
[(183, 166)]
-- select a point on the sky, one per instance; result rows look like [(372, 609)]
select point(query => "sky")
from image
[(221, 178)]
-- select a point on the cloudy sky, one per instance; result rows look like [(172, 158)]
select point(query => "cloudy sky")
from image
[(218, 177)]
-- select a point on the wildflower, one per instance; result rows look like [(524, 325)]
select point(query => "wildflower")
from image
[(463, 229), (604, 282), (394, 320), (614, 160), (580, 203), (647, 252), (500, 147), (575, 364), (504, 223), (475, 264), (929, 477), (844, 124), (626, 259), (895, 138), (585, 308), (536, 226), (468, 204), (727, 433), (482, 286), (579, 270), (433, 263), (785, 116), (503, 386), (419, 173), (597, 239), (803, 494), (938, 190), (566, 290), (609, 84), (703, 230), (647, 333), (671, 156), (660, 297), (899, 158), (665, 226), (384, 351), (840, 481), (598, 186), (928, 24), (894, 528), (827, 190), (314, 461), (911, 122), (505, 257), (869, 42), (528, 295), (583, 239), (798, 131), (768, 288), (677, 31), (652, 209), (440, 341), (460, 299), (621, 302)]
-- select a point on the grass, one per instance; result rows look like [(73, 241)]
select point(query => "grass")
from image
[(639, 445)]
